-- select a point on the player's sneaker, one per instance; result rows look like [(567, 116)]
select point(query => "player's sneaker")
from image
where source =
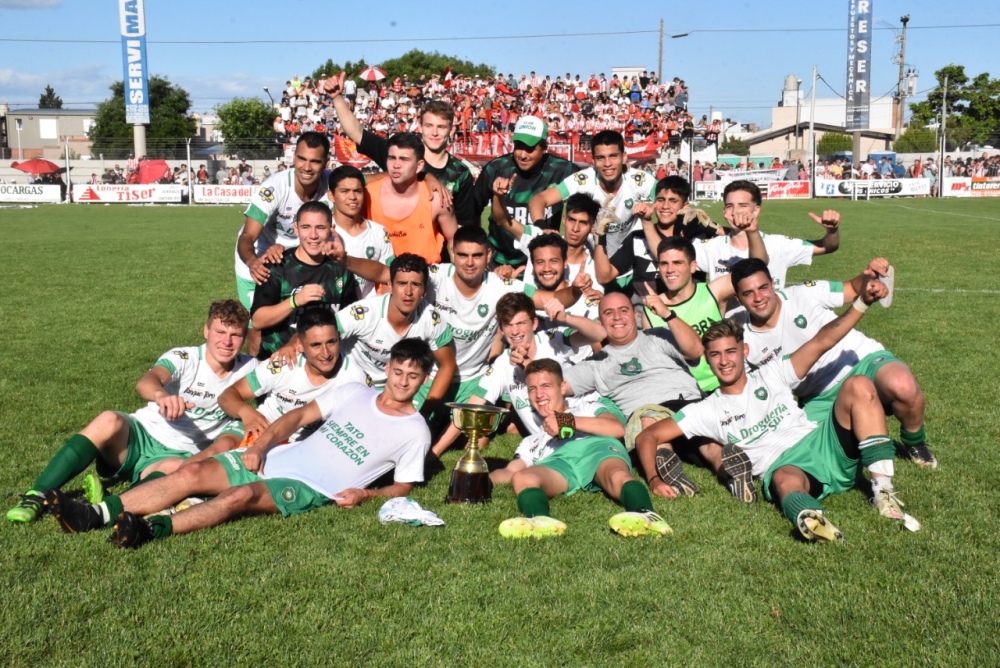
[(543, 526), (670, 468), (93, 488), (73, 516), (516, 527), (645, 523), (737, 466), (921, 455), (887, 503), (816, 528), (28, 508), (130, 531)]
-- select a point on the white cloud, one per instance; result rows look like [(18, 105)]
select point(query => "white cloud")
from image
[(208, 91), (86, 83), (29, 4)]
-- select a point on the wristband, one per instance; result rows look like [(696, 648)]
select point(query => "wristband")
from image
[(859, 305), (670, 316), (566, 423), (291, 300), (602, 241)]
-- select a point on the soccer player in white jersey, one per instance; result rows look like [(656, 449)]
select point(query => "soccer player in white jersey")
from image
[(321, 368), (716, 256), (781, 321), (268, 229), (361, 237), (799, 460), (371, 327), (515, 313), (618, 189), (577, 450), (363, 434), (466, 294), (181, 418)]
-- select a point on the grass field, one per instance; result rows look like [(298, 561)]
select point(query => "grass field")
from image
[(94, 294)]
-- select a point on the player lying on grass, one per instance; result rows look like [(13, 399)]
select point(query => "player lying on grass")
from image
[(182, 417), (575, 451), (364, 434), (782, 320), (800, 461)]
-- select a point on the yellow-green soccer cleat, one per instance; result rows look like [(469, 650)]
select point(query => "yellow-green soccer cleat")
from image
[(516, 527), (645, 523), (817, 529), (887, 503), (93, 488), (538, 527), (29, 507)]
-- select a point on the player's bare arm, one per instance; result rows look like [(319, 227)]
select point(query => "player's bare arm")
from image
[(245, 248), (830, 221), (444, 357), (445, 218), (538, 203), (879, 266), (151, 388), (353, 497), (234, 402), (269, 316), (646, 443), (279, 431), (502, 186)]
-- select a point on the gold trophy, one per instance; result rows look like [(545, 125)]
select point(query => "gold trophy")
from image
[(470, 481)]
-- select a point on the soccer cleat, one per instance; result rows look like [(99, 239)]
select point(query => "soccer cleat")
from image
[(516, 527), (670, 468), (539, 527), (816, 528), (645, 523), (93, 488), (130, 531), (73, 516), (921, 455), (887, 503), (737, 466), (187, 503), (28, 508)]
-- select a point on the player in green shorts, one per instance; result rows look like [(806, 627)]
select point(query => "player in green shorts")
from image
[(800, 461), (363, 434), (575, 453), (181, 418)]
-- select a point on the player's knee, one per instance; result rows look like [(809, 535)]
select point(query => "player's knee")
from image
[(903, 386), (104, 427), (238, 497), (524, 479), (860, 388)]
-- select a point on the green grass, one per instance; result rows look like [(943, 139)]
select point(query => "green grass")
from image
[(94, 294)]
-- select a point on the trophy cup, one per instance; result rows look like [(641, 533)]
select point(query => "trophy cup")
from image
[(470, 481)]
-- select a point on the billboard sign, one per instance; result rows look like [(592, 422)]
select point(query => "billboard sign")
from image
[(135, 67), (859, 58)]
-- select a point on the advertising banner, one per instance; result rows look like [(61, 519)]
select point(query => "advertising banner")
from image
[(208, 194), (873, 188), (47, 194), (985, 186), (786, 190), (957, 186), (757, 176), (859, 41), (128, 194), (134, 65)]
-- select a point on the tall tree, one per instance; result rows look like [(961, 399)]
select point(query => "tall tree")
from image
[(973, 105), (414, 63), (169, 129), (49, 99), (834, 142), (246, 123)]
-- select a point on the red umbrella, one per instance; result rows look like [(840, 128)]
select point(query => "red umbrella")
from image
[(37, 166), (151, 171), (373, 74)]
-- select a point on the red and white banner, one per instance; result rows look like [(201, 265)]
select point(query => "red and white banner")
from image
[(208, 194), (873, 188), (985, 186), (786, 190), (957, 186), (346, 152), (30, 192), (128, 193)]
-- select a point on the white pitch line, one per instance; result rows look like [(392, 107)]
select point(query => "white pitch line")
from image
[(944, 213), (951, 290)]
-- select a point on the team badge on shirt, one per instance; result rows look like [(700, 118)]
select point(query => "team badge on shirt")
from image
[(267, 194), (482, 310), (800, 321), (182, 354), (359, 311), (274, 367), (288, 494), (760, 393), (435, 316), (632, 367), (581, 178)]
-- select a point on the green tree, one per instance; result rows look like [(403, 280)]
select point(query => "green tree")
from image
[(734, 146), (246, 124), (329, 68), (414, 63), (49, 99), (834, 142), (916, 140), (973, 106), (167, 133)]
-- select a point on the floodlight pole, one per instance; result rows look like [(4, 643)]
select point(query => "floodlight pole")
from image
[(269, 96), (190, 168), (17, 124), (943, 144), (659, 63), (812, 135), (900, 88)]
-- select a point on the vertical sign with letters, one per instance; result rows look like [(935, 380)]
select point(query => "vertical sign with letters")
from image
[(133, 24), (859, 43)]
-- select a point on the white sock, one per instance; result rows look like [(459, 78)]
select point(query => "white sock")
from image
[(102, 508), (880, 483), (884, 466)]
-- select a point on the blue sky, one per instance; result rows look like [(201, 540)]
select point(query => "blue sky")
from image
[(735, 57)]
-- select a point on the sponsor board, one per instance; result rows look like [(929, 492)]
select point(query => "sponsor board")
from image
[(33, 192), (786, 190), (873, 188), (128, 193), (708, 189), (209, 194), (757, 176), (985, 186)]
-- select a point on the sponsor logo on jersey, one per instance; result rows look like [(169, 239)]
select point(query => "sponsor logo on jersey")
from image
[(435, 316), (800, 321), (631, 368), (769, 423), (639, 178), (359, 311), (760, 393), (267, 194), (508, 281), (809, 284), (482, 310), (520, 403), (879, 359), (433, 268), (370, 252), (182, 354), (274, 367), (581, 178), (489, 371)]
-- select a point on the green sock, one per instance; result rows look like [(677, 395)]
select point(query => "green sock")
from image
[(162, 526), (113, 503), (533, 502), (875, 449), (913, 437), (635, 497), (795, 502), (152, 476), (71, 460)]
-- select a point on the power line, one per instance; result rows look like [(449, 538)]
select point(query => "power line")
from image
[(477, 39)]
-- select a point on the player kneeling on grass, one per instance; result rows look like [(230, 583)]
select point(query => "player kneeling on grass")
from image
[(800, 461), (363, 434), (574, 453), (181, 419)]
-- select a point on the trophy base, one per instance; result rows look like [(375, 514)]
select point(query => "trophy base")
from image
[(469, 488)]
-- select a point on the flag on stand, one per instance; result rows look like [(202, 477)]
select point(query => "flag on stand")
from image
[(447, 77)]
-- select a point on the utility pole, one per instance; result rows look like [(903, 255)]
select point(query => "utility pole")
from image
[(659, 63), (900, 86), (944, 120)]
